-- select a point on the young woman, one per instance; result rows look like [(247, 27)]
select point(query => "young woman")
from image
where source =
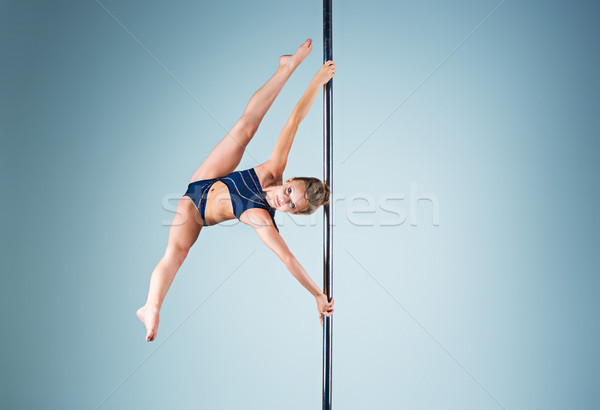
[(215, 193)]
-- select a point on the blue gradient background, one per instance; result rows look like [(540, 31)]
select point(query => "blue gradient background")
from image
[(495, 307)]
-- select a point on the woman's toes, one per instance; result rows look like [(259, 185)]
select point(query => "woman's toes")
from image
[(303, 50)]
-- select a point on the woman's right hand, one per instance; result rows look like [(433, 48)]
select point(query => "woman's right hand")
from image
[(325, 308), (325, 73)]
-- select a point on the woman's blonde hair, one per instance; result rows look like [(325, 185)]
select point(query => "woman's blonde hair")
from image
[(317, 193)]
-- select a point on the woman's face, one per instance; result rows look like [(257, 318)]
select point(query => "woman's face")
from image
[(290, 197)]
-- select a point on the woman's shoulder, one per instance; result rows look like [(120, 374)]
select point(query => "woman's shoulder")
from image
[(267, 175)]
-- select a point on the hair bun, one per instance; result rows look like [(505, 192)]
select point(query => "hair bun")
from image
[(317, 193), (326, 193)]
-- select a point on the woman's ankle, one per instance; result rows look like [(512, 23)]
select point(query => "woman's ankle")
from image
[(152, 307)]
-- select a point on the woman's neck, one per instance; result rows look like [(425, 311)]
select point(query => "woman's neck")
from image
[(270, 195)]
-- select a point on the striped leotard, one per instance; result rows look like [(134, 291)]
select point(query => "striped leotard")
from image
[(244, 189)]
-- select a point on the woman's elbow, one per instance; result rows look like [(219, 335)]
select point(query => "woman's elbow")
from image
[(294, 120), (288, 259)]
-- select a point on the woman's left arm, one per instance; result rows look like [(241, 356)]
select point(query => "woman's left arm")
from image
[(278, 159)]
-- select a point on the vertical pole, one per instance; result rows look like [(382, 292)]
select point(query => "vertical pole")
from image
[(327, 211)]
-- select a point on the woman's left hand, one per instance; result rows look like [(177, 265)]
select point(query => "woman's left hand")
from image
[(324, 307), (325, 73)]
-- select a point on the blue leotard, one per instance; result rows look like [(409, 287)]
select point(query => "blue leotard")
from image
[(244, 189)]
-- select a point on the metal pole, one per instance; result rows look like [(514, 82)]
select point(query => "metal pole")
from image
[(327, 211)]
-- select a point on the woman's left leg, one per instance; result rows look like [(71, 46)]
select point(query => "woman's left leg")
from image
[(184, 231), (228, 153)]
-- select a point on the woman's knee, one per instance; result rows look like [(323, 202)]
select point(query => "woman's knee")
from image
[(248, 125), (177, 254)]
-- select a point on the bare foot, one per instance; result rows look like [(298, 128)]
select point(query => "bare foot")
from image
[(149, 317), (300, 54)]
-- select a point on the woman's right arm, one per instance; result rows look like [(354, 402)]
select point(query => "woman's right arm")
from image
[(278, 159), (267, 232)]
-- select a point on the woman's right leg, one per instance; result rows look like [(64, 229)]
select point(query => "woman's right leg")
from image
[(183, 233), (227, 154)]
